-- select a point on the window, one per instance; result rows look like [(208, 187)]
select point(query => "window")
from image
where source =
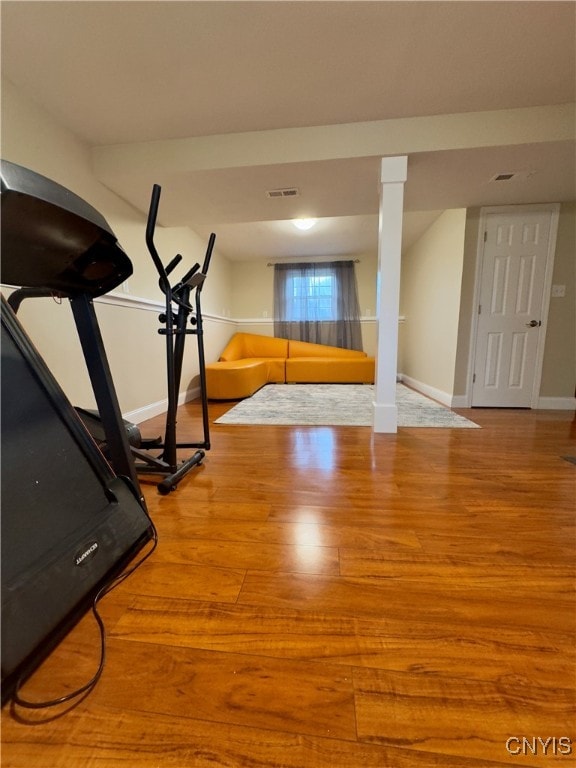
[(311, 297), (318, 303)]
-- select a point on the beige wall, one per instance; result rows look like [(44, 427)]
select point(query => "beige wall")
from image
[(32, 138), (430, 286), (466, 301), (253, 291), (559, 366)]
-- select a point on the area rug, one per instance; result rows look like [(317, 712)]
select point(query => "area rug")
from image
[(336, 405)]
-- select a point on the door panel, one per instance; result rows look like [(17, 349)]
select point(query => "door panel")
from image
[(514, 261)]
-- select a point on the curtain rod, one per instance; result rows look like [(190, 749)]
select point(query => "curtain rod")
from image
[(273, 263)]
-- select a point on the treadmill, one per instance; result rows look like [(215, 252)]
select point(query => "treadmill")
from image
[(70, 524)]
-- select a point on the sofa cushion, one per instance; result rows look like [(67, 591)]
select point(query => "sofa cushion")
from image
[(252, 345), (234, 379), (307, 349), (330, 370)]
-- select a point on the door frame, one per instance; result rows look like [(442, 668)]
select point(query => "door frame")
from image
[(554, 210)]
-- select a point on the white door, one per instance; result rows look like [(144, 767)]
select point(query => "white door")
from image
[(517, 256)]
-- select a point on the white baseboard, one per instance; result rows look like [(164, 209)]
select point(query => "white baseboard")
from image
[(425, 389), (557, 403), (161, 406), (461, 401)]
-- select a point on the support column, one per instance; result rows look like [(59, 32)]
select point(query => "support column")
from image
[(393, 174)]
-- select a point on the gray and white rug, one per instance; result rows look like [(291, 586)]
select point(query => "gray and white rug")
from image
[(336, 405)]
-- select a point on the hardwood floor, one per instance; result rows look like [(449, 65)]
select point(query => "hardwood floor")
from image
[(326, 597)]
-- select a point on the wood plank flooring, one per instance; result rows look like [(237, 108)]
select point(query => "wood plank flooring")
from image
[(330, 598)]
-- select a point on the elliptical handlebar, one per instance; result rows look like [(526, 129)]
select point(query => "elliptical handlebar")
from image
[(150, 229), (188, 275), (209, 250), (174, 263), (163, 271)]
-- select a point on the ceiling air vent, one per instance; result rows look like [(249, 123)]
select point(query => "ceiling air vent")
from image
[(504, 176), (290, 192)]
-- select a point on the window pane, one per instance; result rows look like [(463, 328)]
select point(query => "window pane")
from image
[(311, 297)]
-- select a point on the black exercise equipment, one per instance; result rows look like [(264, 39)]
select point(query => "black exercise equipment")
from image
[(69, 524), (93, 423), (175, 330), (52, 239), (55, 244)]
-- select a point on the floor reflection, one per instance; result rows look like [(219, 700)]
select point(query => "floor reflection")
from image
[(309, 547), (314, 448)]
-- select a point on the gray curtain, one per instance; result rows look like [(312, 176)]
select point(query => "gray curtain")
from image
[(317, 303)]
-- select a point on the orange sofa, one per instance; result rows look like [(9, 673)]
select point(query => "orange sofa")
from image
[(250, 361)]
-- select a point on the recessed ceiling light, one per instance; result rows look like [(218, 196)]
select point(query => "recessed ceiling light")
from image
[(304, 223)]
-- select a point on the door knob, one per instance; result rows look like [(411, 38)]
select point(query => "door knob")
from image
[(533, 323)]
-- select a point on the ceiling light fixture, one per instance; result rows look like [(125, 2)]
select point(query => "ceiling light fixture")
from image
[(304, 223)]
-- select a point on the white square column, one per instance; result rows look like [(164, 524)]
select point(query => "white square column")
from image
[(393, 174)]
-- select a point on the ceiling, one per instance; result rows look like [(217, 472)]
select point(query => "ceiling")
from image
[(221, 101)]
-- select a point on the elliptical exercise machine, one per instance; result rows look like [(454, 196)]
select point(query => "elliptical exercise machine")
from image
[(175, 330)]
